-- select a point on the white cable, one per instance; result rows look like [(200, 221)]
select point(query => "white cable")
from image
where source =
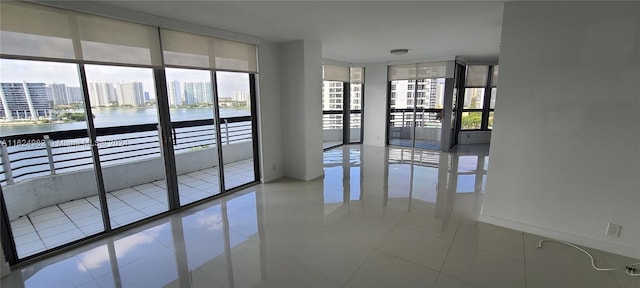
[(593, 264)]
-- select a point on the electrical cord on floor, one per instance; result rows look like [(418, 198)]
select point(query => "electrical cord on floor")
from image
[(593, 264), (631, 269)]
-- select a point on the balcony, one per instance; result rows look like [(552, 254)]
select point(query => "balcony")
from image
[(423, 126), (50, 188), (332, 128)]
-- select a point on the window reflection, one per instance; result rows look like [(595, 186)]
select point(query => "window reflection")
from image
[(412, 174), (219, 235)]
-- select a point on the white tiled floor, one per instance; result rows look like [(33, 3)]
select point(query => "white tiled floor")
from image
[(53, 226), (363, 225), (328, 144)]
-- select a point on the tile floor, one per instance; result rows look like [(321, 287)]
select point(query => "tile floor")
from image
[(55, 225), (328, 144), (424, 144), (379, 218)]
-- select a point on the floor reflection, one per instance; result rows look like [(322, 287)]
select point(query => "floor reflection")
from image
[(431, 178), (380, 217)]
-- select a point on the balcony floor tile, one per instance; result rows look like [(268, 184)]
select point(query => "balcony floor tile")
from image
[(72, 220)]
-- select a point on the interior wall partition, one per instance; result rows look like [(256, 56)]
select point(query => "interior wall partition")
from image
[(104, 123)]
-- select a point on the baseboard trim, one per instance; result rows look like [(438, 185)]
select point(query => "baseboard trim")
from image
[(313, 177), (632, 252), (270, 178)]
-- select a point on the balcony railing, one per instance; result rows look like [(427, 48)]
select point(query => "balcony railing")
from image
[(334, 119), (30, 155), (427, 118)]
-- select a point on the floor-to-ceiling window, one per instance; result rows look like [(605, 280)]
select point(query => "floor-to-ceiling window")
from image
[(101, 128), (125, 115), (236, 127), (39, 139), (416, 104), (479, 97), (342, 102), (190, 98), (356, 103)]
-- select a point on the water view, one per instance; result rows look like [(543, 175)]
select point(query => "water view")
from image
[(111, 117)]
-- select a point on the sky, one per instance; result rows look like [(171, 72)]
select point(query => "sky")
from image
[(67, 73)]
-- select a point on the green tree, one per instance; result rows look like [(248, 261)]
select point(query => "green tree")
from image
[(471, 121)]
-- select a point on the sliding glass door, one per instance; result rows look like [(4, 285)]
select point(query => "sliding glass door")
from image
[(342, 102), (356, 103), (125, 114), (415, 113), (102, 127), (416, 104), (402, 113), (429, 112), (64, 172), (47, 173), (332, 113), (192, 110), (237, 122)]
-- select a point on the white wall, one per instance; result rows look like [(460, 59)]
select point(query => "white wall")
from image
[(375, 104), (565, 156), (270, 112), (312, 109), (301, 89), (474, 137)]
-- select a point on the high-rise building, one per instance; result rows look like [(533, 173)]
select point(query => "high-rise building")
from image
[(473, 98), (24, 101), (196, 93), (400, 94), (429, 93), (332, 95), (175, 93), (241, 97), (130, 94), (356, 96), (59, 94), (421, 94), (101, 93), (74, 94)]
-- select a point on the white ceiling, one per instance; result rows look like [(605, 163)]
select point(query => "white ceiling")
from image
[(355, 32)]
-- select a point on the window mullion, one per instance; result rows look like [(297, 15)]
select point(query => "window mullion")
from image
[(487, 100)]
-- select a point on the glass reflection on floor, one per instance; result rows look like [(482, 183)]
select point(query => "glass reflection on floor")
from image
[(220, 235), (411, 178), (250, 237)]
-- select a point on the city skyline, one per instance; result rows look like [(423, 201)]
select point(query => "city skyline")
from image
[(27, 100), (17, 71)]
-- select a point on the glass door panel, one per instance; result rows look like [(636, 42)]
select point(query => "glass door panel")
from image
[(429, 105), (332, 115), (125, 113), (236, 128), (47, 175), (415, 113), (402, 113), (355, 120), (191, 109)]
